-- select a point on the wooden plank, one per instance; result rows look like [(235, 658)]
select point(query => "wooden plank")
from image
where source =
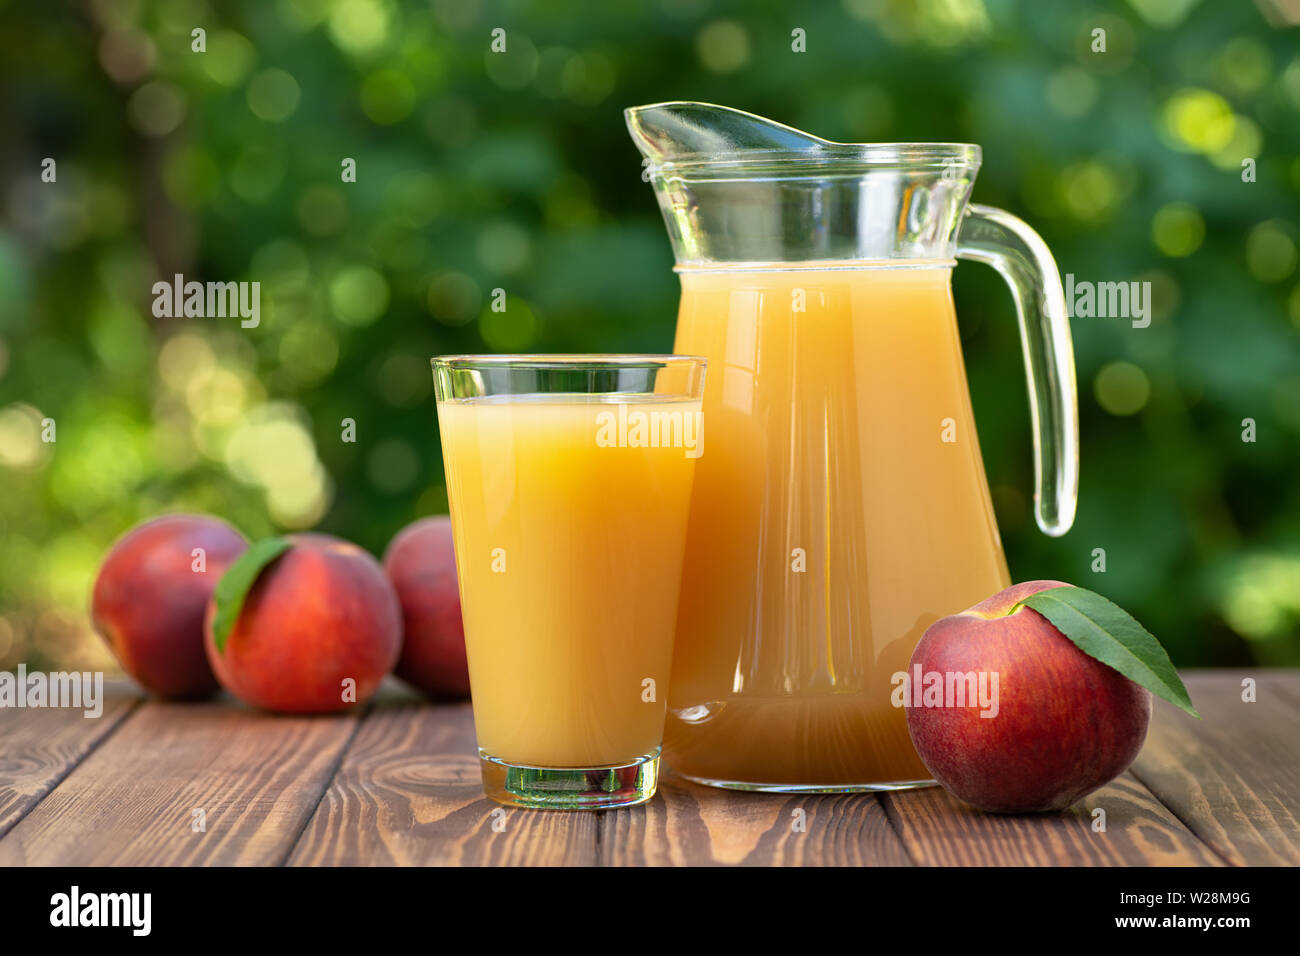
[(257, 777), (40, 746), (940, 830), (691, 825), (408, 792), (1285, 684), (1233, 777)]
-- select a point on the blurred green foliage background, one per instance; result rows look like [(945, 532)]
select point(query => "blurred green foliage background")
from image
[(478, 171)]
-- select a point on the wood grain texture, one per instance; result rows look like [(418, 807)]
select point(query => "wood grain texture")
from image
[(257, 777), (939, 830), (40, 746), (691, 825), (408, 792), (1285, 684), (1233, 777), (399, 784)]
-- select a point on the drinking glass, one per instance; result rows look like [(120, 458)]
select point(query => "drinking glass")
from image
[(569, 482)]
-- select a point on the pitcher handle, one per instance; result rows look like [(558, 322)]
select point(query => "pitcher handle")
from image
[(1020, 256)]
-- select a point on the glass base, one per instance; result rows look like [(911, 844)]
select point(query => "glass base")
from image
[(810, 787), (570, 788)]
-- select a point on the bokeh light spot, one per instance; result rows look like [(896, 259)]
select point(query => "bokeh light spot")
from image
[(723, 46), (1163, 13), (1244, 64), (185, 358), (1291, 81), (1177, 229), (272, 448), (1091, 189), (273, 95), (359, 26), (1246, 143), (503, 247), (229, 59), (588, 78), (1198, 120), (513, 330), (514, 67), (1121, 388), (1261, 600), (219, 398), (1270, 252), (127, 55), (20, 437), (156, 109), (303, 14), (1071, 92), (358, 295)]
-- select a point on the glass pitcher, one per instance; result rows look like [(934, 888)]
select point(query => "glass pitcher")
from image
[(840, 506)]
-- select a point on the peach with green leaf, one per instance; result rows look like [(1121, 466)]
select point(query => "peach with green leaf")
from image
[(303, 624), (1073, 676)]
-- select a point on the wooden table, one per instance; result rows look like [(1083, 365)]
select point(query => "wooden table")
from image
[(398, 784)]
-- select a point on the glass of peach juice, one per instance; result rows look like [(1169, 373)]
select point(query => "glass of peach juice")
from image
[(569, 483)]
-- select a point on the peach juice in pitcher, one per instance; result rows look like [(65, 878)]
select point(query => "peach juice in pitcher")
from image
[(840, 505)]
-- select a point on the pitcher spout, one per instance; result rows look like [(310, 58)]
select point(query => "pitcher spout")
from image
[(682, 131)]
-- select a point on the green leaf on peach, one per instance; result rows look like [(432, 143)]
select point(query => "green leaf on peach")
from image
[(234, 585), (1104, 630)]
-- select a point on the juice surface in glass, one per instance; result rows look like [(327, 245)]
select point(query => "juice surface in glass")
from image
[(840, 509), (569, 556)]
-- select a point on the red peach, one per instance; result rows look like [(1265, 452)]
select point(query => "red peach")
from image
[(421, 562), (320, 614), (150, 595), (1065, 723)]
